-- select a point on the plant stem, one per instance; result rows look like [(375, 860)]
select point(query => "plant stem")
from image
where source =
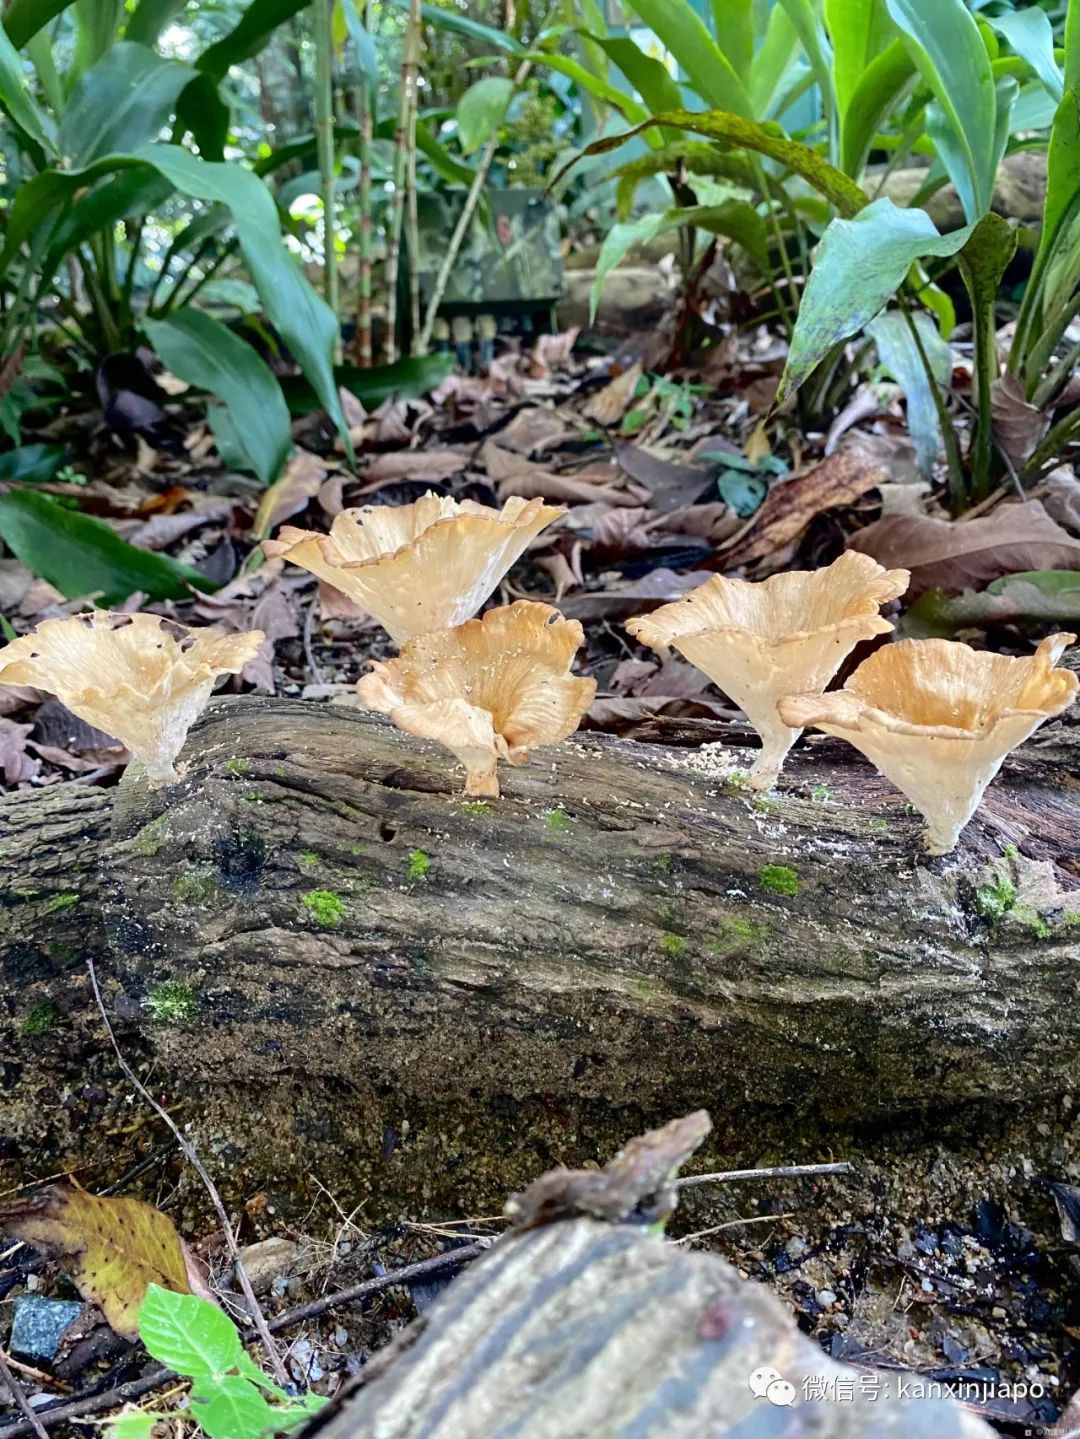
[(324, 131), (409, 65), (366, 96), (412, 218), (461, 229), (986, 372), (1052, 447), (957, 480)]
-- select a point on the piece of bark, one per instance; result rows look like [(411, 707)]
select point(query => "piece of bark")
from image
[(581, 1328), (337, 965)]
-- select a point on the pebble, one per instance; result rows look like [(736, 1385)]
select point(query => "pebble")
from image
[(825, 1297), (38, 1324)]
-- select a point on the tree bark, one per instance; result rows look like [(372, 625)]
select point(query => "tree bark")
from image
[(331, 962)]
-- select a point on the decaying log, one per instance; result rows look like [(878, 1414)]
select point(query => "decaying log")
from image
[(334, 964), (588, 1325)]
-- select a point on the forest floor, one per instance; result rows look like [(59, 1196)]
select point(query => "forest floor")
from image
[(663, 479)]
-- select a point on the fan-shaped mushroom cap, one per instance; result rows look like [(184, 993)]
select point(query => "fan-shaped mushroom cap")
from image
[(139, 678), (784, 635), (420, 567), (938, 718), (491, 689)]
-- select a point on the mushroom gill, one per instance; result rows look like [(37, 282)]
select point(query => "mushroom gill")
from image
[(785, 635), (140, 678), (937, 718), (421, 567), (493, 688)]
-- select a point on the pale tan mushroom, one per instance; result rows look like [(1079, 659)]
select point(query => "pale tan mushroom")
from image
[(420, 567), (938, 718), (491, 689), (785, 635), (139, 678)]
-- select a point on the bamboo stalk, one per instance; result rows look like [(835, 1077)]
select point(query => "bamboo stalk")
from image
[(457, 239), (366, 98), (409, 64), (412, 218), (324, 130)]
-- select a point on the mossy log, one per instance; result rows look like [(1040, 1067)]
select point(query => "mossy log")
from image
[(331, 962)]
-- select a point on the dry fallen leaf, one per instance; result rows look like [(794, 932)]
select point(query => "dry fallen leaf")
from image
[(670, 486), (955, 555), (303, 478), (532, 430), (112, 1248), (16, 766), (610, 405), (788, 508), (1061, 498), (432, 465), (1018, 426)]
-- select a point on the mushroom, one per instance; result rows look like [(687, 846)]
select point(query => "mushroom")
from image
[(938, 718), (781, 636), (140, 678), (491, 689), (420, 567)]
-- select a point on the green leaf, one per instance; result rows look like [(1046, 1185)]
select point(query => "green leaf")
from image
[(651, 78), (232, 1408), (129, 192), (860, 263), (880, 87), (83, 556), (123, 101), (682, 31), (31, 464), (252, 32), (151, 17), (188, 1334), (859, 30), (306, 323), (440, 159), (204, 352), (594, 85), (24, 18), (733, 22), (899, 356), (481, 109), (18, 101), (460, 24), (135, 1424), (1031, 36), (944, 42), (366, 54), (618, 242), (371, 387), (768, 140), (775, 62), (804, 18)]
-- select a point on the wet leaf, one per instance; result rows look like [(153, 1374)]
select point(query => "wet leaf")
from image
[(1044, 596), (113, 1248), (956, 555)]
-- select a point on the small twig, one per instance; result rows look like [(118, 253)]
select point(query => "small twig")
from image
[(136, 1388), (791, 1171), (733, 1224), (20, 1398), (309, 652), (188, 1151)]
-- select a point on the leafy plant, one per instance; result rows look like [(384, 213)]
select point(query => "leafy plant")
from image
[(231, 1397)]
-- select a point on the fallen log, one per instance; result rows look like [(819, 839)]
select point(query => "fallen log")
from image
[(331, 962)]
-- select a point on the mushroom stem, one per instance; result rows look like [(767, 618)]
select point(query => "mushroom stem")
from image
[(483, 783), (776, 741)]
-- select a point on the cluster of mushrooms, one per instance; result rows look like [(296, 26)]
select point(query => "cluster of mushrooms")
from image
[(936, 717)]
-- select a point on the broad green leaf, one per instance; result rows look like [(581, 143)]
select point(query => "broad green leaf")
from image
[(188, 1334), (24, 18), (440, 158), (151, 17), (691, 156), (114, 1248), (774, 61), (231, 1408), (1031, 36), (592, 84), (306, 323), (31, 464), (768, 140), (900, 358), (481, 110), (123, 101), (204, 352), (83, 556), (139, 190), (618, 242), (983, 259), (860, 263), (682, 31), (371, 387), (945, 44), (133, 1424), (204, 114), (364, 46), (461, 24), (652, 80), (18, 101), (1072, 48), (859, 30), (733, 22), (879, 88), (806, 22), (96, 25), (254, 29)]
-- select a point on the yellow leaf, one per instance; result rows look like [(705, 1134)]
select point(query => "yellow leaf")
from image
[(757, 446), (112, 1248)]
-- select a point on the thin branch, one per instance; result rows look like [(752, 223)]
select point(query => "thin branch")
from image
[(188, 1151), (20, 1398), (790, 1171)]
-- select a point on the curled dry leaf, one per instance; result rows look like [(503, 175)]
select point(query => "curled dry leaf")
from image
[(16, 766), (955, 555), (303, 478), (136, 677), (491, 689), (430, 466), (112, 1248), (938, 718), (788, 508), (786, 635), (1018, 426), (420, 567), (611, 404), (669, 486)]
